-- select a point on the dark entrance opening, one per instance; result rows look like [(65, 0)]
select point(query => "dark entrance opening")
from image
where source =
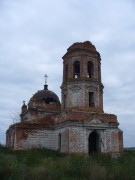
[(93, 142)]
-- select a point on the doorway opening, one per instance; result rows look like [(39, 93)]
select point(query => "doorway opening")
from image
[(93, 142)]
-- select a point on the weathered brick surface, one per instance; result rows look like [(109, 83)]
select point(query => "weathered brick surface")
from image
[(10, 138), (35, 138), (114, 140), (84, 116), (120, 140), (64, 139)]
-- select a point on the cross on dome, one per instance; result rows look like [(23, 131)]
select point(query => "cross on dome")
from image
[(46, 79)]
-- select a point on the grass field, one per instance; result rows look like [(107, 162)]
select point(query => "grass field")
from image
[(46, 164)]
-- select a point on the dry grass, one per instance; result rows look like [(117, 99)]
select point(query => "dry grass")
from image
[(46, 164)]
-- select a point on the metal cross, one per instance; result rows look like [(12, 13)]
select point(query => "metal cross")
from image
[(46, 78)]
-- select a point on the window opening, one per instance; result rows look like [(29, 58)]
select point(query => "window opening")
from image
[(91, 99), (99, 73), (59, 142), (90, 69), (48, 100), (64, 101), (66, 72), (76, 69)]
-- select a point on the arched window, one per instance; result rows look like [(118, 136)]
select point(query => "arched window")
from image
[(99, 72), (91, 99), (90, 69), (66, 72), (59, 142), (76, 69)]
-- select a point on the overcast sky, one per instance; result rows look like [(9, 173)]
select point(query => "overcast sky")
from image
[(35, 34)]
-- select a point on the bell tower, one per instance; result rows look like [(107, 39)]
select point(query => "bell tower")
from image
[(82, 88)]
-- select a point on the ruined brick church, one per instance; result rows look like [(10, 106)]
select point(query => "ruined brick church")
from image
[(78, 123)]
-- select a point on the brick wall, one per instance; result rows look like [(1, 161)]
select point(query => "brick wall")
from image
[(74, 137)]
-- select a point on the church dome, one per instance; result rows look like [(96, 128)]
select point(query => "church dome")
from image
[(45, 100), (46, 95)]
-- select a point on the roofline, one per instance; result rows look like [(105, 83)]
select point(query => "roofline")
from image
[(81, 50)]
